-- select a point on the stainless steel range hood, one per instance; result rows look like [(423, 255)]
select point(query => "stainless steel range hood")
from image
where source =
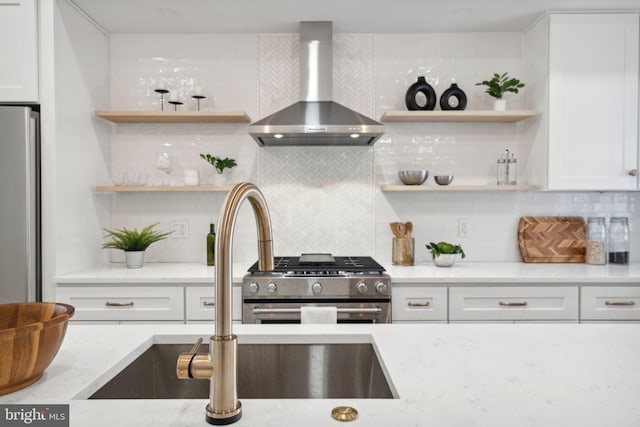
[(316, 120)]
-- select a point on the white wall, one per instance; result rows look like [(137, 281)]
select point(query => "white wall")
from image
[(328, 199), (81, 141)]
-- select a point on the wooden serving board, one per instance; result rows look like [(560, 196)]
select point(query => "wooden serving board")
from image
[(552, 238)]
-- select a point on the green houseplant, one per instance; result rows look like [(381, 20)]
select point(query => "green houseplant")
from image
[(134, 242), (498, 86), (220, 164), (444, 253)]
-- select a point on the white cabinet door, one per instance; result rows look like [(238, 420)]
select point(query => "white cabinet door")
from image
[(513, 303), (19, 51), (593, 102), (124, 303), (424, 303), (610, 303), (201, 303)]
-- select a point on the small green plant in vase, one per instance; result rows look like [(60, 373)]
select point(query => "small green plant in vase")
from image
[(444, 254), (498, 86), (134, 242), (220, 164)]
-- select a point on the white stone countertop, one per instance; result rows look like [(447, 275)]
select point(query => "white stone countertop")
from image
[(426, 273), (491, 375)]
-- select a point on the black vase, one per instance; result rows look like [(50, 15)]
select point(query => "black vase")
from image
[(453, 92), (421, 86)]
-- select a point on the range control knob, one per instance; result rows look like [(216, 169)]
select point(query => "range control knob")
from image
[(381, 287), (316, 288), (362, 288), (254, 287), (272, 288)]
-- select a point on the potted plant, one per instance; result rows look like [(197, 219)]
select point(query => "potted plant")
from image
[(220, 164), (444, 254), (498, 86), (134, 242)]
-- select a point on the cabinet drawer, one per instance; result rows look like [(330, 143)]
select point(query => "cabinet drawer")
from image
[(513, 303), (124, 303), (201, 303), (418, 303), (610, 303)]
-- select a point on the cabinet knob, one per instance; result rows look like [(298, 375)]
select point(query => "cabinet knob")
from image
[(633, 172)]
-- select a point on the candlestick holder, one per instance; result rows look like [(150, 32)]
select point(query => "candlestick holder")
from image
[(161, 92), (175, 104), (198, 98)]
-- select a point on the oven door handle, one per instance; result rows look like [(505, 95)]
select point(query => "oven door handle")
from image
[(257, 310)]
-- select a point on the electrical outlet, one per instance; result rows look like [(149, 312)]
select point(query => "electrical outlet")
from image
[(180, 229), (463, 227)]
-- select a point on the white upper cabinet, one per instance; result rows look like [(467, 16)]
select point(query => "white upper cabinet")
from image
[(582, 72), (19, 51)]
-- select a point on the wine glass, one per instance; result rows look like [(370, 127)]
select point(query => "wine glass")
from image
[(163, 162)]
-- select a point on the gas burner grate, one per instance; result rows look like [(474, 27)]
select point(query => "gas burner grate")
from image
[(343, 265)]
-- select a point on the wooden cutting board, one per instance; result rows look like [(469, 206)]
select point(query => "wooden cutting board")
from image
[(552, 238)]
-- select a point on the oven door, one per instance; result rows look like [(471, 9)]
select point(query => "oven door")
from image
[(289, 312)]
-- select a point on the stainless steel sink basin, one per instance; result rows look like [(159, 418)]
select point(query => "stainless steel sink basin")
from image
[(265, 371)]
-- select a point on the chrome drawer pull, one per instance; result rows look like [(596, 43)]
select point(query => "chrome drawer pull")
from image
[(620, 303), (119, 304), (418, 304), (209, 303), (512, 304)]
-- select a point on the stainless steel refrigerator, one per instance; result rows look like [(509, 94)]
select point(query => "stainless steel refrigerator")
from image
[(20, 236)]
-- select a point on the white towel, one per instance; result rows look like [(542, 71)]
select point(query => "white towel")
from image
[(318, 315)]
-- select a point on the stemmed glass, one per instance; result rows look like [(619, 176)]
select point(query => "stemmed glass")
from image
[(163, 162)]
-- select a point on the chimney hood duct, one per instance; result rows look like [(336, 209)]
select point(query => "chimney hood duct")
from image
[(316, 120)]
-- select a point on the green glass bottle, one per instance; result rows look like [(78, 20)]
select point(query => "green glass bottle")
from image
[(211, 245)]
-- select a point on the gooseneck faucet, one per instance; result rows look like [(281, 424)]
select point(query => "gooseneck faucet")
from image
[(221, 363)]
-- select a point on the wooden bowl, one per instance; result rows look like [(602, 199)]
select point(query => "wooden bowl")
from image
[(30, 335)]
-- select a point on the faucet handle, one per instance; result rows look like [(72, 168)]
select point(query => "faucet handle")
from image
[(196, 346), (202, 367)]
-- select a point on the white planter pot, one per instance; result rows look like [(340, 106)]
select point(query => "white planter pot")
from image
[(219, 179), (444, 260), (134, 259), (500, 105)]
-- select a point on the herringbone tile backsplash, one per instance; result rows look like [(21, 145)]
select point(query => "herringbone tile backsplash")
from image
[(324, 198)]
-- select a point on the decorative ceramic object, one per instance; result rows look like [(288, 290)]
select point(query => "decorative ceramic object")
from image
[(424, 88), (453, 98)]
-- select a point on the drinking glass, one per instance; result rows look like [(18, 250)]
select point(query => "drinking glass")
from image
[(163, 162)]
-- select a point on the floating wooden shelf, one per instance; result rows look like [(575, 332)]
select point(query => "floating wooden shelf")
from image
[(175, 116), (464, 116), (424, 188), (162, 188)]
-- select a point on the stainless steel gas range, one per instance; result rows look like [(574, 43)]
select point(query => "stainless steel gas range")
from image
[(358, 287)]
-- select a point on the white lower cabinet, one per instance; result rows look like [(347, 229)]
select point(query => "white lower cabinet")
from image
[(610, 303), (513, 303), (411, 303), (200, 303), (124, 303)]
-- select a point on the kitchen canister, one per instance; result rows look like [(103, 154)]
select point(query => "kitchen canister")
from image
[(453, 98), (618, 242), (403, 250), (423, 89), (596, 241)]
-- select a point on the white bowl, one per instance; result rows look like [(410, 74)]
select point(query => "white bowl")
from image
[(413, 177)]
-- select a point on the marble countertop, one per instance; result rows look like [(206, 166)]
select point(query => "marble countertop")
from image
[(426, 273), (444, 375)]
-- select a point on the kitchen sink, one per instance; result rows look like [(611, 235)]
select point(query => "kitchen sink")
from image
[(265, 371)]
